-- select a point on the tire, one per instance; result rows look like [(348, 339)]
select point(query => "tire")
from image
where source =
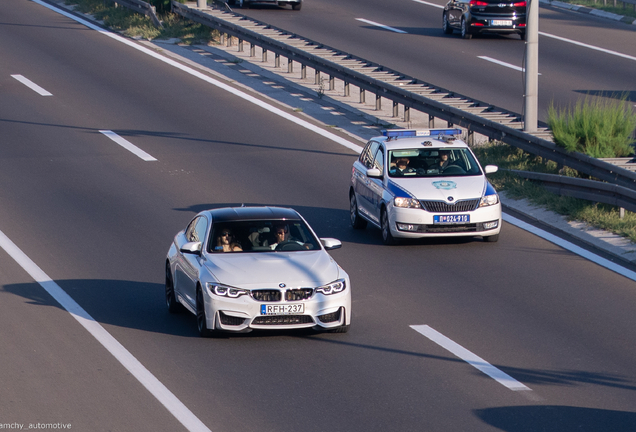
[(356, 221), (492, 238), (296, 6), (522, 36), (171, 300), (387, 237), (446, 28), (465, 31), (201, 317)]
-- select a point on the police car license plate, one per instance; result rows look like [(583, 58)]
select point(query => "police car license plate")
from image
[(287, 309), (500, 22), (451, 219)]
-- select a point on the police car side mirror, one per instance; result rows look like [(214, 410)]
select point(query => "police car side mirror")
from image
[(489, 169), (374, 173)]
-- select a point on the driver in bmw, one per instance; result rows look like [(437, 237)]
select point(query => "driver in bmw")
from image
[(282, 236)]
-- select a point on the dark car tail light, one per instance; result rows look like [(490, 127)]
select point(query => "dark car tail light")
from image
[(520, 4), (478, 3)]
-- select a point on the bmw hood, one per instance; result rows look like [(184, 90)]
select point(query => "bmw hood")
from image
[(269, 269), (440, 188)]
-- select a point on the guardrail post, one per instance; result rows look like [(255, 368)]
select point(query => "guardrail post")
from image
[(431, 121), (362, 98), (471, 138), (332, 82), (378, 102), (229, 41), (303, 71), (222, 38), (202, 3), (240, 45), (346, 89), (449, 125), (276, 60), (290, 65), (264, 55), (252, 50), (621, 213), (317, 78), (407, 113), (395, 109)]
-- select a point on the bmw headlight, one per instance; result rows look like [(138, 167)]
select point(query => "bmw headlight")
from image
[(226, 291), (488, 200), (406, 203), (332, 288)]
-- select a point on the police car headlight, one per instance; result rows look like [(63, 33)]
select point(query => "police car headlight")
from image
[(332, 288), (489, 200), (406, 203), (226, 291)]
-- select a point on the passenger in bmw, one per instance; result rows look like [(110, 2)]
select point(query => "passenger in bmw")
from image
[(402, 167), (225, 242)]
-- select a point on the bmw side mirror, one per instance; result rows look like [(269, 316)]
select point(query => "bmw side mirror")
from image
[(331, 243), (489, 169), (374, 173), (192, 248)]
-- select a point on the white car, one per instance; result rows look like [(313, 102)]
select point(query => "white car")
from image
[(423, 183), (244, 268)]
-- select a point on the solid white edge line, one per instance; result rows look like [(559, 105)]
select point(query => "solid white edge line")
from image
[(571, 247), (381, 25), (128, 145), (471, 358), (326, 134), (143, 375), (33, 86)]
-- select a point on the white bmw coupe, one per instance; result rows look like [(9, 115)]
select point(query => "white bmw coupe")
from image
[(244, 268)]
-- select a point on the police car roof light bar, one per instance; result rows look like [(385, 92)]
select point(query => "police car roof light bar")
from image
[(433, 133)]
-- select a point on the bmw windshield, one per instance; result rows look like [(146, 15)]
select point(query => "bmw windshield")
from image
[(437, 162)]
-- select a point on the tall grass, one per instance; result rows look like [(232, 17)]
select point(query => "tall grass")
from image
[(598, 127)]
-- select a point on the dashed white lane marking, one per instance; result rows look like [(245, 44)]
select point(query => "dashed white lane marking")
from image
[(571, 247), (33, 86), (470, 358), (606, 51), (429, 4), (501, 63), (128, 145), (145, 377), (380, 25)]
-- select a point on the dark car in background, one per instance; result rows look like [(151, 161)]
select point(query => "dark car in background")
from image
[(295, 4), (472, 17)]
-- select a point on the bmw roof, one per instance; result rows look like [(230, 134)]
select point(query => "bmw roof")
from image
[(227, 214)]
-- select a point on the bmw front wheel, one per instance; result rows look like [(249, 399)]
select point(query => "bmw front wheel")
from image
[(202, 322), (171, 300)]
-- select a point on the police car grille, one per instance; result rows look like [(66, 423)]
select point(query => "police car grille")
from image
[(267, 295), (442, 207), (298, 294), (283, 320)]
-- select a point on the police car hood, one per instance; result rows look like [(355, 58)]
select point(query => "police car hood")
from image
[(269, 269), (440, 188)]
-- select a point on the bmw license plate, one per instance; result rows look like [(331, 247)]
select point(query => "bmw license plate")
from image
[(287, 309), (451, 219), (500, 22)]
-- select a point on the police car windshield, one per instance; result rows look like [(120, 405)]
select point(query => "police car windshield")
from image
[(438, 162)]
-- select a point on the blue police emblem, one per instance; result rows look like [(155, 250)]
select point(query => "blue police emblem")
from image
[(446, 185)]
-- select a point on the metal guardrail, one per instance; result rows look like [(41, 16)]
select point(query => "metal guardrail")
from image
[(590, 190), (471, 114), (141, 7)]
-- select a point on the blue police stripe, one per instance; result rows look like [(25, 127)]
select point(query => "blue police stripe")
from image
[(489, 189), (397, 191)]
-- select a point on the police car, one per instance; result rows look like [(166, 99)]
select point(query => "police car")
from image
[(423, 183)]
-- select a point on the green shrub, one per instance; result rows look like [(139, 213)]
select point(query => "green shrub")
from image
[(598, 127)]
